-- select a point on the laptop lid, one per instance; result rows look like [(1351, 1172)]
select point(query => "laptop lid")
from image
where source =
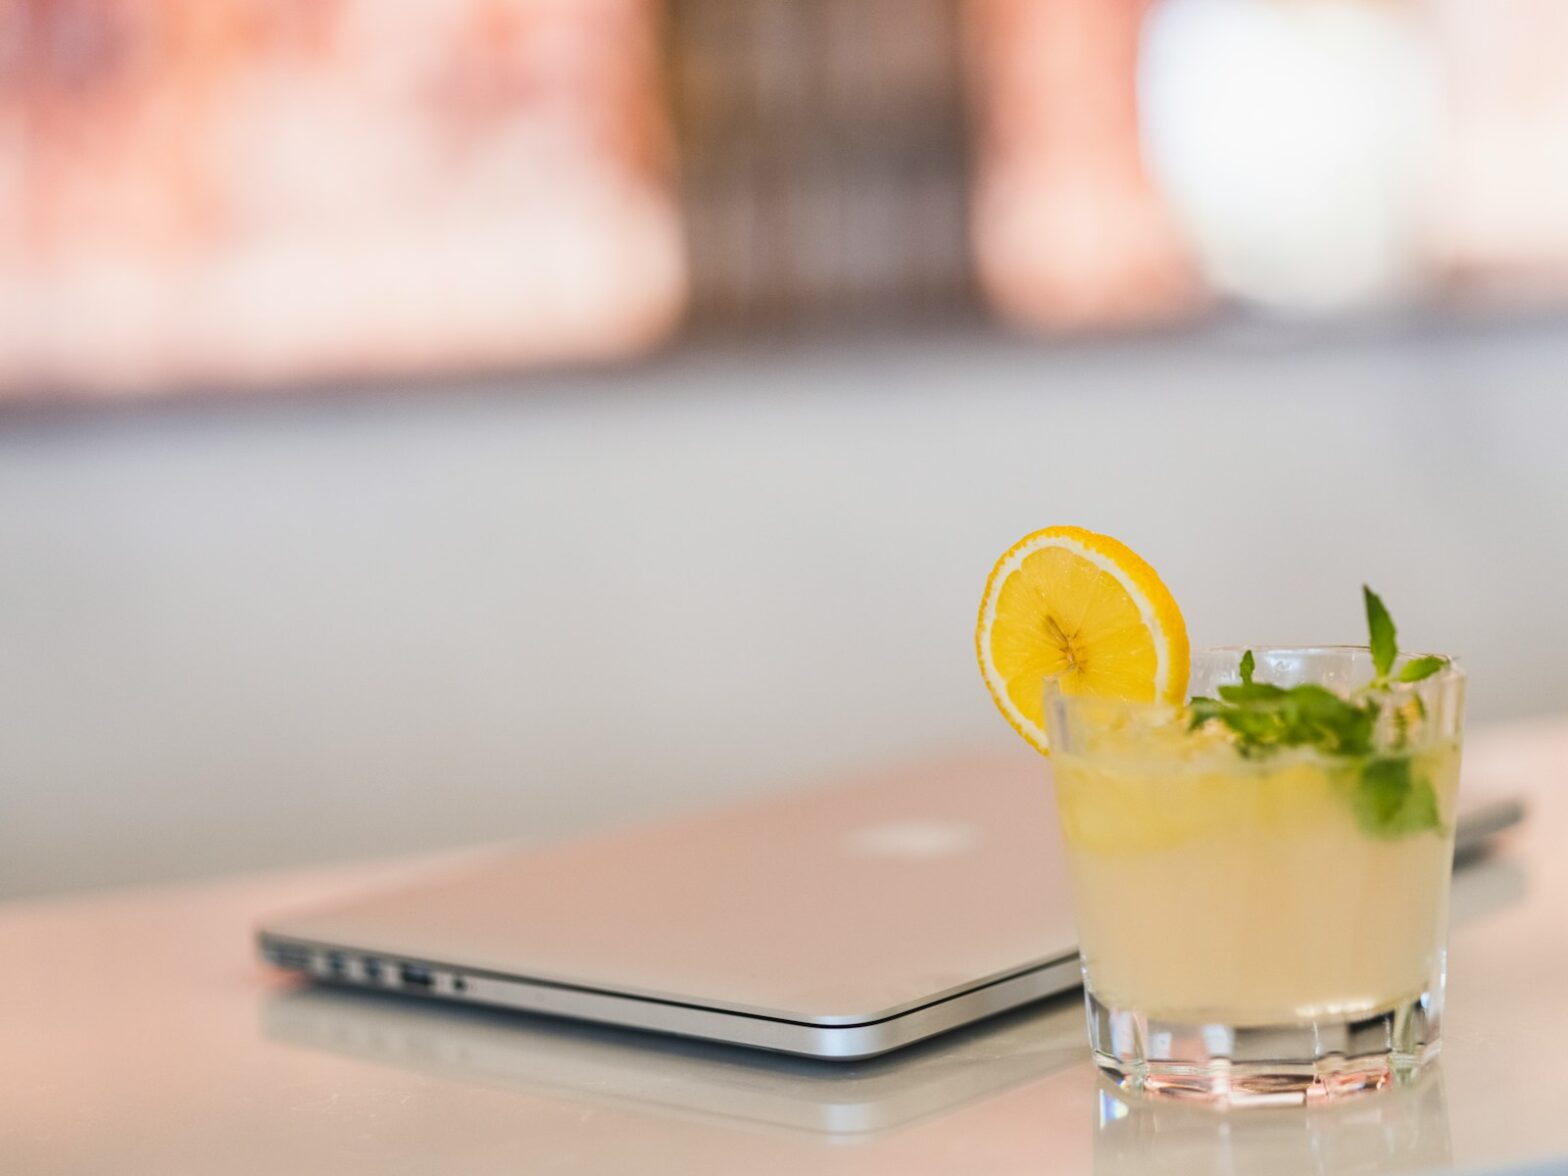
[(838, 906)]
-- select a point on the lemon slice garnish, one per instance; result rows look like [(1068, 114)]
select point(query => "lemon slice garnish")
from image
[(1068, 602)]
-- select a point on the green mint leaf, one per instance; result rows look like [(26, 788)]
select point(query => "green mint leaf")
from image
[(1421, 667), (1257, 731), (1420, 812), (1265, 718), (1201, 711), (1380, 627), (1319, 717), (1390, 801), (1248, 664), (1250, 692)]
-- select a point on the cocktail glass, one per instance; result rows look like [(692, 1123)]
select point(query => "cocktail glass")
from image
[(1261, 928)]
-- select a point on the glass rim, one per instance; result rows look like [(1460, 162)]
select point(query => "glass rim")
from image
[(1453, 670), (1451, 675)]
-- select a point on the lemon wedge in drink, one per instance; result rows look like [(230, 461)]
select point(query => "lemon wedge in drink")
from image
[(1083, 607)]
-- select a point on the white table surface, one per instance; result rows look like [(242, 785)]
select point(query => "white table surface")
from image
[(138, 1034)]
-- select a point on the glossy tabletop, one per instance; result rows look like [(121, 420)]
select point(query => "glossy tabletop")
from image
[(138, 1034)]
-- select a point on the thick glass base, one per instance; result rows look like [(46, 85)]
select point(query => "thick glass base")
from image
[(1274, 1065)]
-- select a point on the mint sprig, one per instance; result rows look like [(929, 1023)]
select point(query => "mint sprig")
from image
[(1390, 800), (1383, 637)]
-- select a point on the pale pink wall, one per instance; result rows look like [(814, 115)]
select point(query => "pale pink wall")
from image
[(244, 190)]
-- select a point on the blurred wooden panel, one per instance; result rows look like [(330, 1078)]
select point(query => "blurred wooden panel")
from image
[(823, 160)]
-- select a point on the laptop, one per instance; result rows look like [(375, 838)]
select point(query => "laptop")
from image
[(840, 922)]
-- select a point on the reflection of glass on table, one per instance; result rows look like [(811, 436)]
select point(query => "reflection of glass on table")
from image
[(1404, 1131)]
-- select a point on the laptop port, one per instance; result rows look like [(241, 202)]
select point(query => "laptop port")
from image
[(336, 963), (288, 956), (371, 967), (416, 977)]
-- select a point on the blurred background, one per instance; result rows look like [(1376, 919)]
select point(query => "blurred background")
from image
[(457, 419)]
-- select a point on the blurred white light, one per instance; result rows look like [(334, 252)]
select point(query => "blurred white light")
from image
[(1296, 143)]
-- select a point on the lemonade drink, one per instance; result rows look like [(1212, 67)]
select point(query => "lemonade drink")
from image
[(1210, 888)]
